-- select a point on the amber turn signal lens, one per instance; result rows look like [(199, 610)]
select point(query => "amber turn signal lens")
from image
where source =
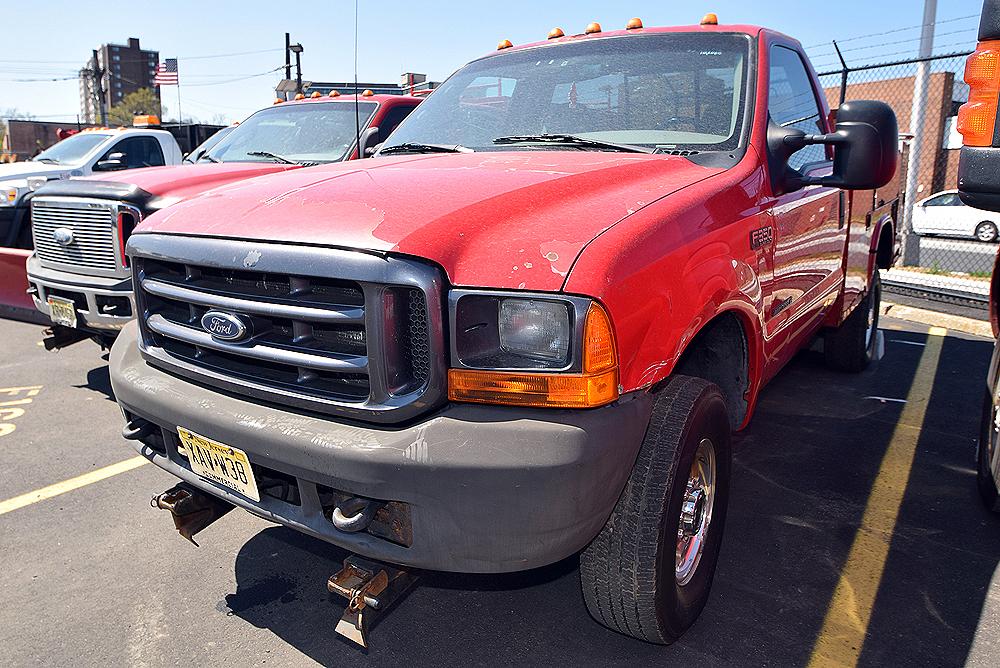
[(977, 117), (541, 390), (596, 386)]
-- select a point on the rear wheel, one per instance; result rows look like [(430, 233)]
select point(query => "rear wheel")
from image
[(852, 346), (989, 435), (986, 231), (649, 572)]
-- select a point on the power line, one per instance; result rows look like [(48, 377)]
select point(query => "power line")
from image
[(895, 30), (884, 44)]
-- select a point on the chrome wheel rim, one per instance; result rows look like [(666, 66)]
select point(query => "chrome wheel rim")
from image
[(870, 331), (985, 233), (696, 512)]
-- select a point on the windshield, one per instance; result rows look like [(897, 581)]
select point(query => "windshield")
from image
[(665, 91), (72, 149), (306, 132)]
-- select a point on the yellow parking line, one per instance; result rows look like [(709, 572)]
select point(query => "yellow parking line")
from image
[(69, 485), (846, 624)]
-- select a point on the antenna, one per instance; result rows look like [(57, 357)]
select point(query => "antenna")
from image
[(357, 104)]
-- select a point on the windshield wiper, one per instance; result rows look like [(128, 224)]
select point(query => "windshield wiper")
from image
[(273, 156), (206, 156), (571, 140), (51, 161), (416, 147)]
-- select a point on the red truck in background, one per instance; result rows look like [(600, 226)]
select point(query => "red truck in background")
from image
[(79, 275), (979, 186), (528, 327)]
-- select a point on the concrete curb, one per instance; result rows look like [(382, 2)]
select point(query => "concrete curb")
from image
[(956, 323)]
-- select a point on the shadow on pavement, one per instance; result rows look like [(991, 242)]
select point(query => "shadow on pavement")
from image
[(99, 380), (803, 473)]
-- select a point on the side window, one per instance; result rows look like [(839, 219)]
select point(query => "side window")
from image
[(792, 103), (392, 118), (139, 152), (947, 199)]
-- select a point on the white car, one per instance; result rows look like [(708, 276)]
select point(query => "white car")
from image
[(944, 213)]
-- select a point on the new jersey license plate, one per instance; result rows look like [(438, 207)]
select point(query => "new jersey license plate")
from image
[(62, 311), (220, 463)]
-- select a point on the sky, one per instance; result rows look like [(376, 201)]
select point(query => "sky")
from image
[(53, 39)]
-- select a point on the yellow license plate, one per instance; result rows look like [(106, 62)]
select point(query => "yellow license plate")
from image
[(62, 311), (220, 463)]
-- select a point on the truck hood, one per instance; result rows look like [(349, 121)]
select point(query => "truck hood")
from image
[(182, 181), (507, 220), (22, 170)]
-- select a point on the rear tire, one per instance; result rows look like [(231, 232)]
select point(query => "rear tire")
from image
[(634, 581), (852, 346), (989, 438), (986, 231)]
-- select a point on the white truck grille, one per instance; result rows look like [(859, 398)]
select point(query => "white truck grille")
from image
[(77, 233)]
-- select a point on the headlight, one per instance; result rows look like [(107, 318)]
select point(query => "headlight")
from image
[(531, 350)]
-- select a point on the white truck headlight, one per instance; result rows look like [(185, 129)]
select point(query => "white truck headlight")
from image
[(535, 330)]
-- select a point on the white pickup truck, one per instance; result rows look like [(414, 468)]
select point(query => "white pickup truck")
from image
[(90, 151)]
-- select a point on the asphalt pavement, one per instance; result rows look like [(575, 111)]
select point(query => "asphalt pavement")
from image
[(93, 576)]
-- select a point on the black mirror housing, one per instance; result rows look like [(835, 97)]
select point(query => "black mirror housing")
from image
[(366, 145), (866, 151)]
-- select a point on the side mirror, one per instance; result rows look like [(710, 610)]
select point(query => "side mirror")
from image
[(865, 149), (369, 138), (112, 162)]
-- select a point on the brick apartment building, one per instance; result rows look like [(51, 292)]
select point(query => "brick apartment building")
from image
[(127, 68)]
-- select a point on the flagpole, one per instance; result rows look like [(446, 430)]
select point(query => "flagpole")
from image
[(180, 118)]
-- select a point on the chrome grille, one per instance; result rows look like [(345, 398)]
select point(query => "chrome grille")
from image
[(93, 224), (338, 331)]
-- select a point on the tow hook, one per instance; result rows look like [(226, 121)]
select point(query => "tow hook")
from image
[(57, 337), (137, 429), (354, 514), (191, 509), (371, 588)]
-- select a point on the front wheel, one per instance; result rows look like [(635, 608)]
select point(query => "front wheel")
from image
[(986, 453), (986, 231), (649, 571)]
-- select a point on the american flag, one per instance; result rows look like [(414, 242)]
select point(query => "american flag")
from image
[(166, 73)]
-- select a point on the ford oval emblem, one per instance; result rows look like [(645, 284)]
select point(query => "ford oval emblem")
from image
[(225, 326), (62, 236)]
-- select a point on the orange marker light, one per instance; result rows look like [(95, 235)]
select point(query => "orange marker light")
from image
[(334, 93), (710, 19), (977, 117), (504, 44), (316, 93), (556, 32), (592, 28), (596, 386), (633, 24), (300, 96), (368, 93), (277, 100)]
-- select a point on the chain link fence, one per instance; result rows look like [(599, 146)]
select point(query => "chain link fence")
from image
[(948, 248)]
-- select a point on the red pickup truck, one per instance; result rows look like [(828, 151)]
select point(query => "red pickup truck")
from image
[(529, 325), (79, 275)]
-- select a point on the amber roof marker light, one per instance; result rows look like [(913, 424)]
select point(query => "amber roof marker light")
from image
[(504, 44), (977, 117), (592, 28), (710, 19), (634, 24), (556, 32)]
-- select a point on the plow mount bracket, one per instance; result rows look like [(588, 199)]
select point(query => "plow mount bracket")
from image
[(371, 588), (191, 509)]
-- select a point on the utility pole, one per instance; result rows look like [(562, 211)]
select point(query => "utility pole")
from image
[(297, 50), (97, 74), (911, 244), (288, 60)]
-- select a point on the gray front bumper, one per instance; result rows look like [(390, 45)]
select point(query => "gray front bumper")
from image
[(45, 280), (490, 489)]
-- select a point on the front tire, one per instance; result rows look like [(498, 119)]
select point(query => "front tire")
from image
[(649, 571), (986, 231), (989, 440), (852, 346)]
